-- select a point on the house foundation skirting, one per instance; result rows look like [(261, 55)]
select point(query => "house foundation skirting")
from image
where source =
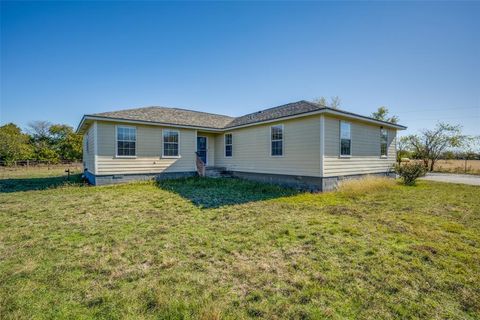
[(100, 180), (302, 182), (331, 183), (292, 181)]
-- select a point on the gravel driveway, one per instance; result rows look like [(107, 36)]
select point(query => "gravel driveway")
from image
[(454, 178)]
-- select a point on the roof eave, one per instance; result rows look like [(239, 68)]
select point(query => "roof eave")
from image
[(80, 125), (155, 123), (325, 110), (364, 118)]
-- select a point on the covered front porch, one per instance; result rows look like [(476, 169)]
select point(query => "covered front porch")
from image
[(205, 155)]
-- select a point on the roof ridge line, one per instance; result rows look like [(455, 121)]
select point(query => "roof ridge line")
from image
[(213, 114), (313, 103), (263, 110)]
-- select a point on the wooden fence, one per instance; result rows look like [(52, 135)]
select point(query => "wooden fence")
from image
[(26, 164)]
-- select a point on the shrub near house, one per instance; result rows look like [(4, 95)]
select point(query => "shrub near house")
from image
[(410, 172)]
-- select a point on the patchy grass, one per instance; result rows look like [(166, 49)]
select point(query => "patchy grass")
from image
[(39, 171), (39, 178), (215, 249), (214, 193), (358, 187)]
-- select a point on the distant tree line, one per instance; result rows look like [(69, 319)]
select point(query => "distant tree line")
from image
[(42, 141)]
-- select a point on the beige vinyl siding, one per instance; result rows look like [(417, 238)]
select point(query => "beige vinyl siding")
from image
[(211, 137), (89, 157), (149, 146), (365, 149), (251, 149)]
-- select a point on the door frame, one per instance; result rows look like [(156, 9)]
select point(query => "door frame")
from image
[(206, 147)]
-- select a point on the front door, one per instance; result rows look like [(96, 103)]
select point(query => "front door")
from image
[(202, 148)]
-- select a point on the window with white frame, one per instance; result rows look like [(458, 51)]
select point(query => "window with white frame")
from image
[(170, 143), (228, 145), (383, 142), (126, 141), (276, 137), (87, 146), (345, 139)]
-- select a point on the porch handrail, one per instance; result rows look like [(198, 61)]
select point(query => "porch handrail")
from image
[(200, 165)]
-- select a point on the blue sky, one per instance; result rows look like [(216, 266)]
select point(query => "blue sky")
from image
[(60, 60)]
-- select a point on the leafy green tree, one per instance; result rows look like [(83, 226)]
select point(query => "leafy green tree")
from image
[(14, 145), (430, 144), (42, 142), (54, 142), (43, 152), (66, 143), (382, 114)]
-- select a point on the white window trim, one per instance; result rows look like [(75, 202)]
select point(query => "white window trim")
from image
[(225, 145), (116, 141), (163, 144), (386, 155), (283, 140), (340, 140)]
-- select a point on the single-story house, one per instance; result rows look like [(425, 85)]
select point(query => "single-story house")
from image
[(299, 144)]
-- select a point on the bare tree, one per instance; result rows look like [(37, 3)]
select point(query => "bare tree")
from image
[(382, 114), (39, 130), (334, 102), (42, 141), (430, 144)]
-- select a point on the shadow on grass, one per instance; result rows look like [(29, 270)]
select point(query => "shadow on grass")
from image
[(16, 185), (215, 193)]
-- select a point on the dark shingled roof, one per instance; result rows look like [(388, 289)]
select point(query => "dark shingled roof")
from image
[(174, 116), (190, 118), (185, 117), (289, 109)]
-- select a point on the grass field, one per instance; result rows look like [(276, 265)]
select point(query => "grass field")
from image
[(458, 166), (215, 249)]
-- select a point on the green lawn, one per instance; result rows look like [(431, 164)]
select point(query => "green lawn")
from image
[(215, 249)]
